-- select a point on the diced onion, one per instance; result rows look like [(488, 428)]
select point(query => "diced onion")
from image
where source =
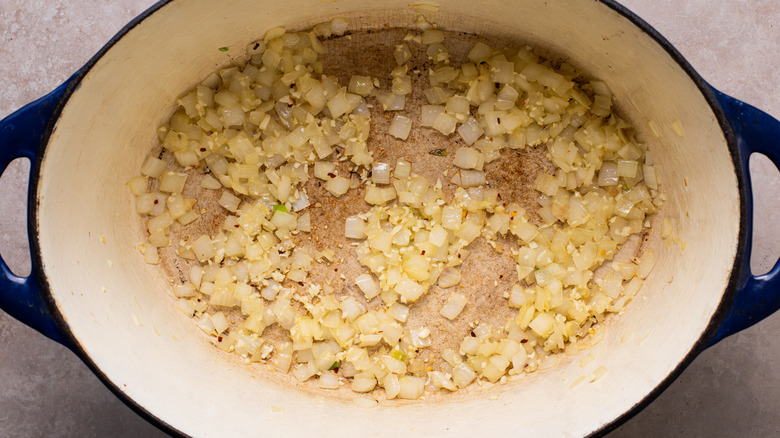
[(380, 173), (220, 322), (469, 178), (339, 25), (337, 186), (229, 201), (650, 177), (257, 131), (390, 101), (402, 53), (355, 228), (301, 202), (362, 85), (543, 324), (138, 185), (445, 123), (468, 158), (411, 387), (328, 380), (646, 263), (479, 52), (303, 222), (608, 175), (402, 169), (430, 113), (184, 291), (282, 219), (410, 290), (454, 305), (153, 167), (367, 284), (451, 217), (626, 169), (209, 182), (379, 195), (400, 127), (203, 248), (363, 383), (449, 277), (159, 223), (470, 131), (173, 182), (324, 170), (462, 375)]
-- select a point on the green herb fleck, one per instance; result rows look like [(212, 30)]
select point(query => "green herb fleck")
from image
[(224, 49), (439, 152), (395, 354), (336, 365), (625, 188), (280, 207)]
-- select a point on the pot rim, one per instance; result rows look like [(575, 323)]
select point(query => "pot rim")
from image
[(74, 83)]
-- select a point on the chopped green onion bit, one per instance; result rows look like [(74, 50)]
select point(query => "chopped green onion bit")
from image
[(395, 354)]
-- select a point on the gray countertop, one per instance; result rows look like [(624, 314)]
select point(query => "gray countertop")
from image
[(732, 389)]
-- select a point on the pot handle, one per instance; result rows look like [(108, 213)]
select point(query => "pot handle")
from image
[(756, 296), (21, 134)]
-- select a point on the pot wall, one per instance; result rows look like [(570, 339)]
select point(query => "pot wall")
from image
[(132, 332)]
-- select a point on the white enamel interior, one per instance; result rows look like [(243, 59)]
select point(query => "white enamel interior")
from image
[(120, 309)]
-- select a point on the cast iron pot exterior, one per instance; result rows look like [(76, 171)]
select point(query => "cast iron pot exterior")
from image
[(744, 300)]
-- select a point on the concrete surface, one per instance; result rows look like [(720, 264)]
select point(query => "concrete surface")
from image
[(732, 389)]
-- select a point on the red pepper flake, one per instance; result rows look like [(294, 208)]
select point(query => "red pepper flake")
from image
[(422, 252), (203, 149), (523, 341), (219, 338), (331, 174), (156, 201), (300, 283)]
